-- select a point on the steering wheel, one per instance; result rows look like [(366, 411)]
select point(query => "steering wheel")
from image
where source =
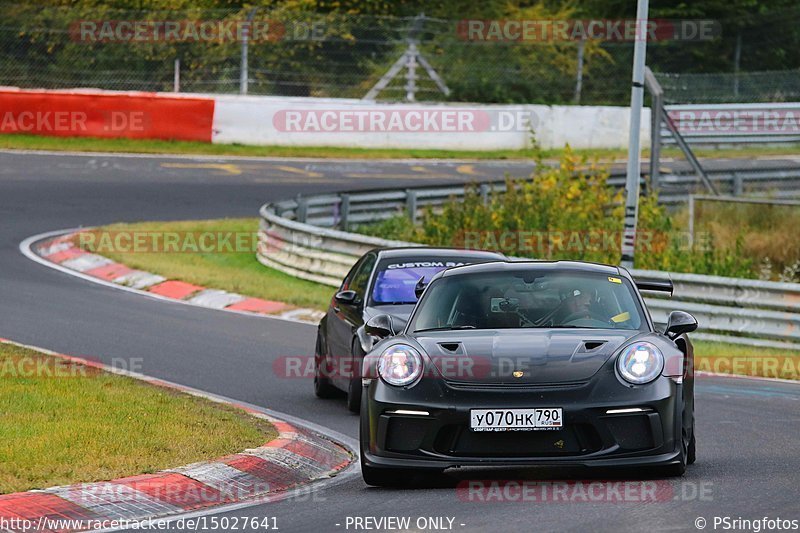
[(584, 314)]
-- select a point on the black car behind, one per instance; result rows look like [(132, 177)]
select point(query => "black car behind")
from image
[(381, 282)]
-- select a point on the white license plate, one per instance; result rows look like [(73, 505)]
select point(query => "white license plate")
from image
[(515, 419)]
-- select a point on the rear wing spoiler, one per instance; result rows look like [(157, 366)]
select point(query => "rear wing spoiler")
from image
[(654, 285)]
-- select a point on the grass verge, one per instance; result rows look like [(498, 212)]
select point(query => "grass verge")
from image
[(65, 423), (743, 360), (147, 146), (235, 271)]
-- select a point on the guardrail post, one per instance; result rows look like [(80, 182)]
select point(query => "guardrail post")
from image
[(486, 189), (411, 205), (691, 221), (656, 113), (344, 210), (302, 209), (738, 185)]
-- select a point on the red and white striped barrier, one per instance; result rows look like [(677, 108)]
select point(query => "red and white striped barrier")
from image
[(106, 114), (70, 258), (285, 121)]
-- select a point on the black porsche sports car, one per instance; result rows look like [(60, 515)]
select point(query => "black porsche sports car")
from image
[(528, 363), (381, 282)]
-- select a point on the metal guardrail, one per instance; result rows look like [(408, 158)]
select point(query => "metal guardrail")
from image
[(718, 124), (734, 123), (781, 182), (305, 237)]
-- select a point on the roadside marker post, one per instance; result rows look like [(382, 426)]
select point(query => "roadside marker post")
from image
[(633, 171)]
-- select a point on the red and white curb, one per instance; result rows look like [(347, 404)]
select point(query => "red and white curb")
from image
[(277, 470), (58, 250)]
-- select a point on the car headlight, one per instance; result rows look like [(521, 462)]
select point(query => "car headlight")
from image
[(400, 365), (640, 363)]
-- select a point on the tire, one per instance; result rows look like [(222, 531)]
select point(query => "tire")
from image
[(677, 470), (691, 453), (384, 477), (322, 384), (354, 388)]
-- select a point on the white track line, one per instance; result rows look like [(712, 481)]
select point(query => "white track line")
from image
[(704, 374)]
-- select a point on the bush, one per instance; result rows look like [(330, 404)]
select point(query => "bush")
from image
[(566, 212)]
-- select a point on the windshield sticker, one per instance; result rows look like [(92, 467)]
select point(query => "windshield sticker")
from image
[(622, 317), (425, 264)]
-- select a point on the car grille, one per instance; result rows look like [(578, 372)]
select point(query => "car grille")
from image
[(576, 439), (477, 386)]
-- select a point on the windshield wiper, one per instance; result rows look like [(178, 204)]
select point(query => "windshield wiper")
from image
[(444, 328)]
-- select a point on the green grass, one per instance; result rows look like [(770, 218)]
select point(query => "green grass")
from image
[(238, 271), (746, 360), (66, 423), (88, 144)]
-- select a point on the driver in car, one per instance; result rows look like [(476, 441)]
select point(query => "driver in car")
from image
[(575, 306)]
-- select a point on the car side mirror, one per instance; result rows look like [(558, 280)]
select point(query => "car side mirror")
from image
[(346, 297), (419, 288), (381, 326), (680, 322)]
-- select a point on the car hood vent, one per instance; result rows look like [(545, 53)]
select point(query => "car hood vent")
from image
[(521, 356)]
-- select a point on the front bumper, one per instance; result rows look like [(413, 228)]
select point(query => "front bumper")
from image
[(591, 436)]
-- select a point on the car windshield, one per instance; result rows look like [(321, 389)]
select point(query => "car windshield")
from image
[(529, 299), (396, 278)]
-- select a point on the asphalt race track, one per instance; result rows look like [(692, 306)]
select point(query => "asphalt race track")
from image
[(748, 459)]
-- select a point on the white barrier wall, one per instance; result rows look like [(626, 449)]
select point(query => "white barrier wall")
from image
[(284, 121)]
